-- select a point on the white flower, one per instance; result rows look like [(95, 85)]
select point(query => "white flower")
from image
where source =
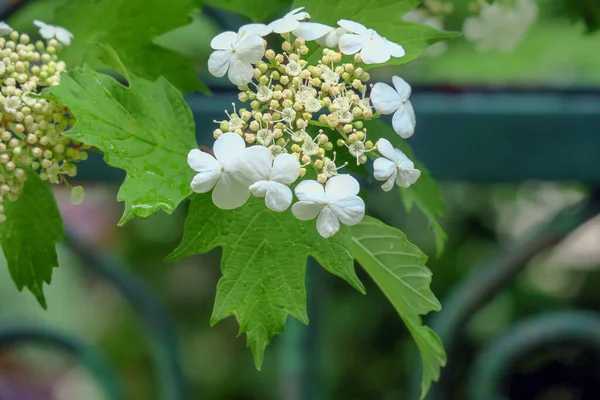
[(395, 167), (235, 53), (291, 22), (12, 104), (48, 31), (499, 26), (221, 172), (271, 177), (5, 29), (332, 39), (337, 202), (387, 100), (258, 29), (374, 49)]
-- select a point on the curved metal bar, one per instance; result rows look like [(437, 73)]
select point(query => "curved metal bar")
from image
[(494, 362), (163, 339), (485, 282), (88, 355)]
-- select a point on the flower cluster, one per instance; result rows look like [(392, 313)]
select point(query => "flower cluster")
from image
[(300, 116), (31, 127)]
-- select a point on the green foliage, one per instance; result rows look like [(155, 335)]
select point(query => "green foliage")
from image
[(383, 16), (130, 27), (425, 193), (191, 40), (146, 129), (398, 268), (29, 236), (263, 264), (256, 10), (580, 10)]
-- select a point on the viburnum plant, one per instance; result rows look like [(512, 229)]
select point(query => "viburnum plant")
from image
[(290, 163)]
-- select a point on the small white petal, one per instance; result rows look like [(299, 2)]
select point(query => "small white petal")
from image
[(385, 99), (354, 27), (350, 210), (63, 36), (5, 29), (389, 184), (310, 191), (394, 48), (385, 148), (407, 177), (383, 168), (200, 161), (39, 23), (229, 193), (284, 25), (229, 147), (341, 186), (204, 181), (312, 30), (332, 38), (259, 29), (47, 32), (327, 224), (223, 41), (259, 188), (351, 43), (218, 62), (402, 87), (472, 29), (404, 121), (375, 51), (306, 210), (286, 169), (278, 197), (239, 72), (256, 164), (402, 159), (250, 48)]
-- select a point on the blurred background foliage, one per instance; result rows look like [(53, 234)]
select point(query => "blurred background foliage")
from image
[(366, 352)]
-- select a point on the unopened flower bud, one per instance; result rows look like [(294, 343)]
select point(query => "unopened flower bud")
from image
[(295, 148), (284, 80), (357, 58), (347, 128), (302, 172), (256, 73), (250, 138), (245, 115), (275, 75), (243, 96), (254, 126), (262, 66), (319, 164), (365, 77), (270, 54), (277, 133), (286, 46), (322, 178), (217, 133), (352, 138), (360, 135), (367, 113)]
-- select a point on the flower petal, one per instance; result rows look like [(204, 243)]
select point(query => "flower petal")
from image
[(402, 87), (5, 29), (279, 197), (327, 224), (229, 193), (473, 29), (383, 168), (256, 163), (353, 27), (259, 188), (341, 186), (310, 191), (284, 25), (39, 23), (407, 177), (250, 48), (259, 29), (389, 184), (286, 168), (311, 30), (332, 38), (204, 181), (240, 72), (385, 99), (63, 36), (385, 148), (394, 48), (306, 210), (351, 43), (223, 41), (229, 146), (375, 51), (47, 32), (350, 210), (404, 121), (200, 161), (218, 62)]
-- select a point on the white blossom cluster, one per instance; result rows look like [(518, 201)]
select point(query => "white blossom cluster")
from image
[(31, 127), (296, 111)]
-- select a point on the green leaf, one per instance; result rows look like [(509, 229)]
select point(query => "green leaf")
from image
[(263, 264), (398, 268), (256, 10), (579, 10), (192, 40), (385, 17), (146, 129), (130, 27), (29, 236), (425, 193)]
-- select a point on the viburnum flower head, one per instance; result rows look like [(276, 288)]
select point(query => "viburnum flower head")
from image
[(292, 22), (388, 100), (5, 29), (221, 172), (336, 202), (235, 53), (374, 48), (394, 167), (271, 176), (48, 31)]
